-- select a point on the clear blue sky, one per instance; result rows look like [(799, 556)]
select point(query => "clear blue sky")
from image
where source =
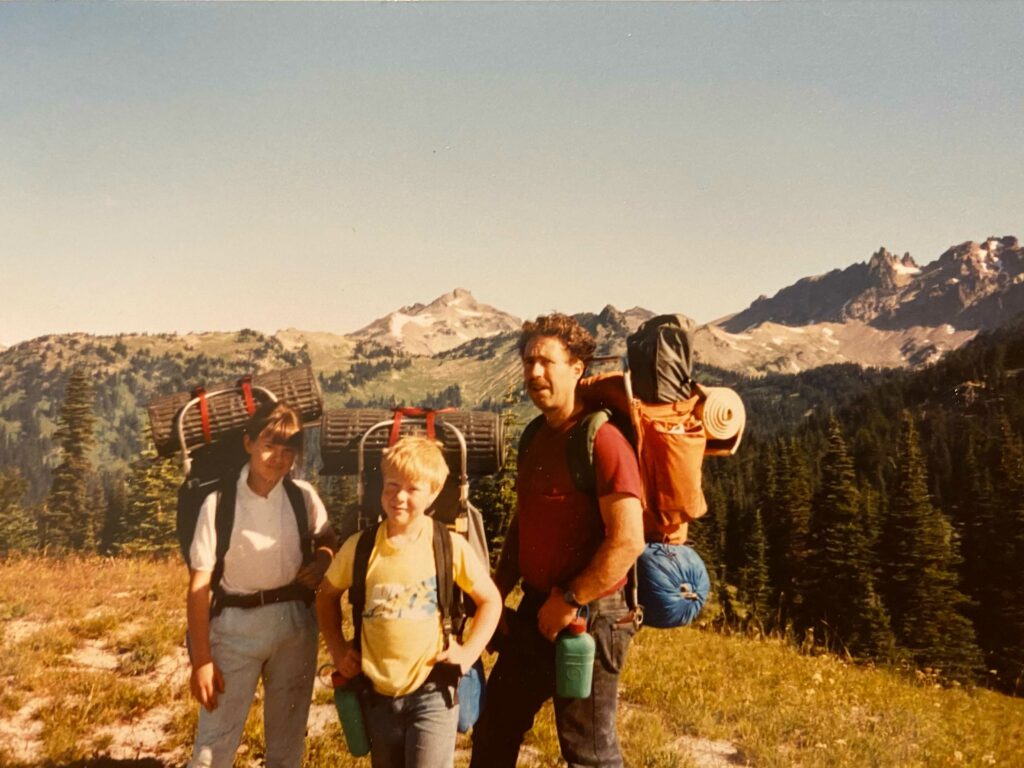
[(213, 166)]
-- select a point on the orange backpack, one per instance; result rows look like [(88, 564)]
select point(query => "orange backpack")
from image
[(670, 441)]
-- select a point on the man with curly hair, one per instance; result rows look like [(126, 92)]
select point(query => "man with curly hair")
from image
[(570, 549)]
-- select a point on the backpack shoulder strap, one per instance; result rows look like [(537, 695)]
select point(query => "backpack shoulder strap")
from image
[(298, 502), (528, 434), (224, 524), (444, 566), (357, 592), (580, 449)]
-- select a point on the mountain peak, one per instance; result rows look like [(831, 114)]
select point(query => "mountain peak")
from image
[(971, 285), (448, 321)]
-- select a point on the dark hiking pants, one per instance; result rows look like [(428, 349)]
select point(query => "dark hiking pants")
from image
[(524, 678)]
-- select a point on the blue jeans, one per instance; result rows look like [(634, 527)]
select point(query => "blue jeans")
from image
[(415, 730), (524, 678)]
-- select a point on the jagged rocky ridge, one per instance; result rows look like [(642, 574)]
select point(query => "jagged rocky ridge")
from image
[(972, 286)]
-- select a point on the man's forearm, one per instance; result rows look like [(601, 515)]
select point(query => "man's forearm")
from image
[(609, 565), (623, 543)]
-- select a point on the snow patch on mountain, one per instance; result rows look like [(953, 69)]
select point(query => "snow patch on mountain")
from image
[(445, 323)]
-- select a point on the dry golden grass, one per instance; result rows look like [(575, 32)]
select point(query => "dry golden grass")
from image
[(89, 648)]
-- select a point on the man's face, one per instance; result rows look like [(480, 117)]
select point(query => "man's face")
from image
[(550, 374)]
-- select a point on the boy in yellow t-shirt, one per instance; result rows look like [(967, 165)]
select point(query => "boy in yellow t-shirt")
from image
[(409, 714)]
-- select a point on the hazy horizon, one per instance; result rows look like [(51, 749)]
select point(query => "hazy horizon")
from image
[(176, 167)]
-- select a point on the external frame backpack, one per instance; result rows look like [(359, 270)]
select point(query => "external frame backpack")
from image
[(454, 606)]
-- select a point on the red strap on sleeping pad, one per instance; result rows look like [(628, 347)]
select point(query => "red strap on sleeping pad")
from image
[(204, 413), (246, 384), (428, 413)]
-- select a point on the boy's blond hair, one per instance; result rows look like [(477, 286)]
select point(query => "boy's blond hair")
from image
[(417, 458)]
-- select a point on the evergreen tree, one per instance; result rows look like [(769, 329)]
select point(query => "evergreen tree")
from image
[(495, 495), (919, 560), (706, 535), (67, 520), (794, 510), (754, 584), (773, 467), (150, 506), (17, 526), (1005, 618), (841, 593), (114, 513)]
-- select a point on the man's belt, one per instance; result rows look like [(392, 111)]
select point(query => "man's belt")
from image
[(283, 594)]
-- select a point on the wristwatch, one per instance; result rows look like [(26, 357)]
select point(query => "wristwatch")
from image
[(570, 597)]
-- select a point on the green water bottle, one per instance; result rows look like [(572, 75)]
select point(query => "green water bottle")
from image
[(346, 699), (574, 660)]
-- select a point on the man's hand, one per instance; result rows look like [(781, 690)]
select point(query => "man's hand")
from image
[(554, 615), (206, 682), (457, 654), (348, 662)]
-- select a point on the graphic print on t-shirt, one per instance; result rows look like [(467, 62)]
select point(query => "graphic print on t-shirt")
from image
[(403, 601)]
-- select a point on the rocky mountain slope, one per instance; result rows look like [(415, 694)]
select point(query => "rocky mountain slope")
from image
[(886, 312), (971, 286), (447, 322)]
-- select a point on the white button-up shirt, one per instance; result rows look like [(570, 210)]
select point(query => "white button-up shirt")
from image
[(264, 552)]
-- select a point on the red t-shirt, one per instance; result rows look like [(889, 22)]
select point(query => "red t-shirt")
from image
[(560, 528)]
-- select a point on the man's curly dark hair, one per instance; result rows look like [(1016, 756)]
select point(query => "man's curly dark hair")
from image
[(577, 339)]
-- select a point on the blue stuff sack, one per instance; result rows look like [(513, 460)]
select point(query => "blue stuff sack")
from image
[(472, 687), (673, 584)]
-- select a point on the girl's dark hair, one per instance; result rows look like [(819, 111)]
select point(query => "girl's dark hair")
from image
[(280, 422), (577, 339)]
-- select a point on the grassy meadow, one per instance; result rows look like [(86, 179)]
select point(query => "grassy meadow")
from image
[(92, 671)]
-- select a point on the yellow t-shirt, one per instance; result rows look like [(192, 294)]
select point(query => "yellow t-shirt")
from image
[(401, 623)]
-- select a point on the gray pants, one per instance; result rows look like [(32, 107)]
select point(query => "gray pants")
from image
[(278, 643)]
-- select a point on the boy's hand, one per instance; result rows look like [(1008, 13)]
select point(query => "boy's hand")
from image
[(206, 682), (349, 663), (457, 654)]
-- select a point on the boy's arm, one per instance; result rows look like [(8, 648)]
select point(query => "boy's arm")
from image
[(471, 574), (206, 680), (328, 613), (488, 610)]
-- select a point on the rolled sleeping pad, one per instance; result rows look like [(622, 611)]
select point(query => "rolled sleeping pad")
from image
[(722, 412), (672, 583), (343, 428), (297, 387)]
